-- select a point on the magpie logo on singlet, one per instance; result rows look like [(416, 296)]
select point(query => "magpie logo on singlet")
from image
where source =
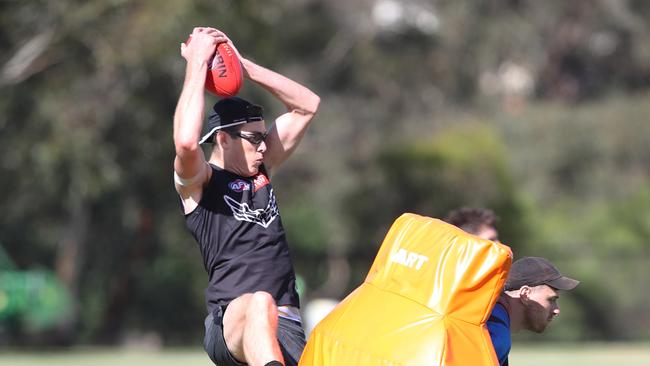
[(261, 216)]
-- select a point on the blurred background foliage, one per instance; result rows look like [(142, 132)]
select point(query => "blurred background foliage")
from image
[(536, 109)]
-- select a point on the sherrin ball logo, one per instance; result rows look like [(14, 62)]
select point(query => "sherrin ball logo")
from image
[(218, 65), (224, 76)]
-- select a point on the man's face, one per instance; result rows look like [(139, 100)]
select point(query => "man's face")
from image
[(244, 155), (540, 307), (487, 232)]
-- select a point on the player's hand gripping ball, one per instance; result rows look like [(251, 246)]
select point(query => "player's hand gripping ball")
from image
[(224, 71)]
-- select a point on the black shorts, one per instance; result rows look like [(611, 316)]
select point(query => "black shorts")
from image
[(291, 338)]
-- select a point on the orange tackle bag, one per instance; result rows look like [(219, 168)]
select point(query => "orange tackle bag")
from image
[(424, 302)]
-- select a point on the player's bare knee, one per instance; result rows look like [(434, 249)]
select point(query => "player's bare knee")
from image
[(262, 302)]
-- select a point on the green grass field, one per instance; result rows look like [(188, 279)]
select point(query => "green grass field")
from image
[(561, 355), (581, 355)]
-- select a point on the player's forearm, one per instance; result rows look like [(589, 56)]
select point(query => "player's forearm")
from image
[(295, 96), (188, 117)]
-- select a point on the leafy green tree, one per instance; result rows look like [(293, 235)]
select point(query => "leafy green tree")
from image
[(461, 166)]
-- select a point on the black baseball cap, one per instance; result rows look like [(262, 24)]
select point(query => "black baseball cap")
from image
[(535, 271), (231, 112)]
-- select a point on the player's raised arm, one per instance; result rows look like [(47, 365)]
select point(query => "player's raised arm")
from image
[(189, 165), (290, 127)]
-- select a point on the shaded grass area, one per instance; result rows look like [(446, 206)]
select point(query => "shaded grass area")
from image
[(522, 355), (106, 357)]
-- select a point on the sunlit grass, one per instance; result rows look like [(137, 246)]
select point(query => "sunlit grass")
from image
[(522, 355), (581, 355)]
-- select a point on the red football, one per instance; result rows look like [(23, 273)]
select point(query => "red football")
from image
[(224, 72), (224, 76)]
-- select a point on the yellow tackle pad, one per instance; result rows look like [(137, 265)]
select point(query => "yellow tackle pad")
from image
[(424, 302)]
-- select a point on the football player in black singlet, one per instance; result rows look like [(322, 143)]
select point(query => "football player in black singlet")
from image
[(231, 210)]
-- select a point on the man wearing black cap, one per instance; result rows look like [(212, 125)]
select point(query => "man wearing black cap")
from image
[(529, 301), (231, 210)]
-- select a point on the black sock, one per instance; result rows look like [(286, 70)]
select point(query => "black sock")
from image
[(273, 363)]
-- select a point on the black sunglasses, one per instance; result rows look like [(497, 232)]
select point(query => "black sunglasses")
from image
[(254, 138)]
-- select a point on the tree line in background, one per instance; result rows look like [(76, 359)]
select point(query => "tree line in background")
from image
[(537, 110)]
